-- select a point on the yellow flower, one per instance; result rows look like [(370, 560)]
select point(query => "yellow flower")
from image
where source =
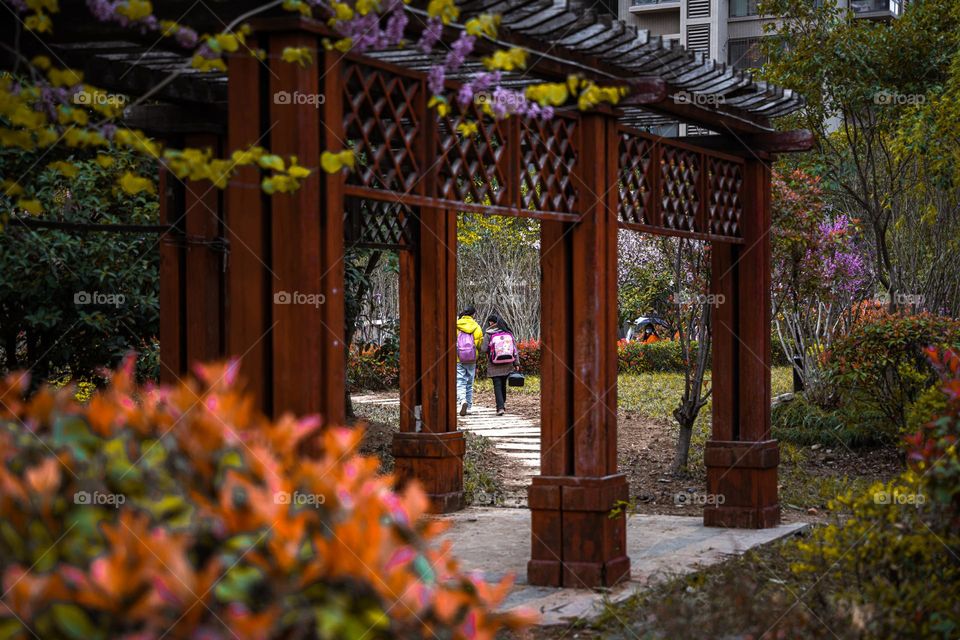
[(207, 64), (297, 5), (467, 129), (39, 22), (485, 24), (334, 162), (105, 161), (30, 206), (296, 171), (133, 184), (64, 77), (11, 188), (300, 55), (446, 10), (441, 104), (272, 162), (135, 10), (366, 6), (548, 93), (227, 42), (41, 62), (64, 168), (509, 60)]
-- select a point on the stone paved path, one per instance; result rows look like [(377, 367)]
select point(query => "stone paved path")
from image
[(514, 437)]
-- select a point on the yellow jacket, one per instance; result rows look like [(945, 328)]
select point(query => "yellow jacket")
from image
[(469, 325)]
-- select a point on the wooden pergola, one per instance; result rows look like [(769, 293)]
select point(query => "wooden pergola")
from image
[(231, 278)]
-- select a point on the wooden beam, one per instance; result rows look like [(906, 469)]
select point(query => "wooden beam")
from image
[(759, 144)]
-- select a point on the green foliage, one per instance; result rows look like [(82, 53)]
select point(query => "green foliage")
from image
[(932, 450), (473, 228), (893, 557), (881, 362), (180, 511), (373, 367), (642, 290), (48, 274), (853, 425), (932, 402), (888, 561), (665, 355)]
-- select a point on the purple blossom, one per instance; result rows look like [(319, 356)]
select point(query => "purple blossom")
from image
[(431, 35), (465, 95), (363, 31), (435, 80), (459, 50), (395, 26), (186, 37), (485, 80)]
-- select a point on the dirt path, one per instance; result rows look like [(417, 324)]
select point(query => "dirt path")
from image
[(809, 476), (515, 438)]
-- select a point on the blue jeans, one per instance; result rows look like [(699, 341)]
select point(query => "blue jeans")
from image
[(466, 374)]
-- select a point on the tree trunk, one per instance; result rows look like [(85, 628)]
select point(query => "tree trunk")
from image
[(683, 450)]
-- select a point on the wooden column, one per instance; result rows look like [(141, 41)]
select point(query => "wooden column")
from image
[(574, 541), (191, 269), (249, 301), (741, 458), (429, 448), (285, 283)]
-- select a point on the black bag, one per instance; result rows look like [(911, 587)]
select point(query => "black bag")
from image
[(515, 379)]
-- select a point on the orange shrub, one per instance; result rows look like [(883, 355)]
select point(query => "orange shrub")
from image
[(181, 512)]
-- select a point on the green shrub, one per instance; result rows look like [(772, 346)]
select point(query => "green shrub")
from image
[(882, 361), (179, 512), (662, 356), (890, 557), (932, 450), (74, 303), (853, 425), (930, 403)]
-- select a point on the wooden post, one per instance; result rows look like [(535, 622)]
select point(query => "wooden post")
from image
[(741, 458), (285, 282), (429, 448), (249, 302), (574, 541), (173, 357), (191, 270)]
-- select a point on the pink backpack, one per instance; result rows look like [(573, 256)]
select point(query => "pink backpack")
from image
[(466, 348), (501, 347)]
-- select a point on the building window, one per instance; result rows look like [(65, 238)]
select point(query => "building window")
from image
[(741, 8), (744, 53)]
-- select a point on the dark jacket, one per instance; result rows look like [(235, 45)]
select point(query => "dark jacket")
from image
[(497, 370)]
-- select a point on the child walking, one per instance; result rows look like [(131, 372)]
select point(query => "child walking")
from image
[(501, 347), (469, 337)]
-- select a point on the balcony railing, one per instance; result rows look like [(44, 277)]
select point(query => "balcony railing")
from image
[(894, 7), (648, 3)]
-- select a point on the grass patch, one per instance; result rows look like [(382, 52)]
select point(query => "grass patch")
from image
[(652, 395)]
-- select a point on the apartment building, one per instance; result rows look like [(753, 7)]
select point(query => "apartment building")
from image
[(725, 30)]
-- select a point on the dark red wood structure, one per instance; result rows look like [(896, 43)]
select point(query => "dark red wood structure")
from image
[(248, 271)]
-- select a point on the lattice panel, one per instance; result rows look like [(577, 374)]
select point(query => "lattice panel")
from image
[(636, 179), (679, 178), (471, 167), (381, 123), (724, 207), (378, 223), (547, 153)]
